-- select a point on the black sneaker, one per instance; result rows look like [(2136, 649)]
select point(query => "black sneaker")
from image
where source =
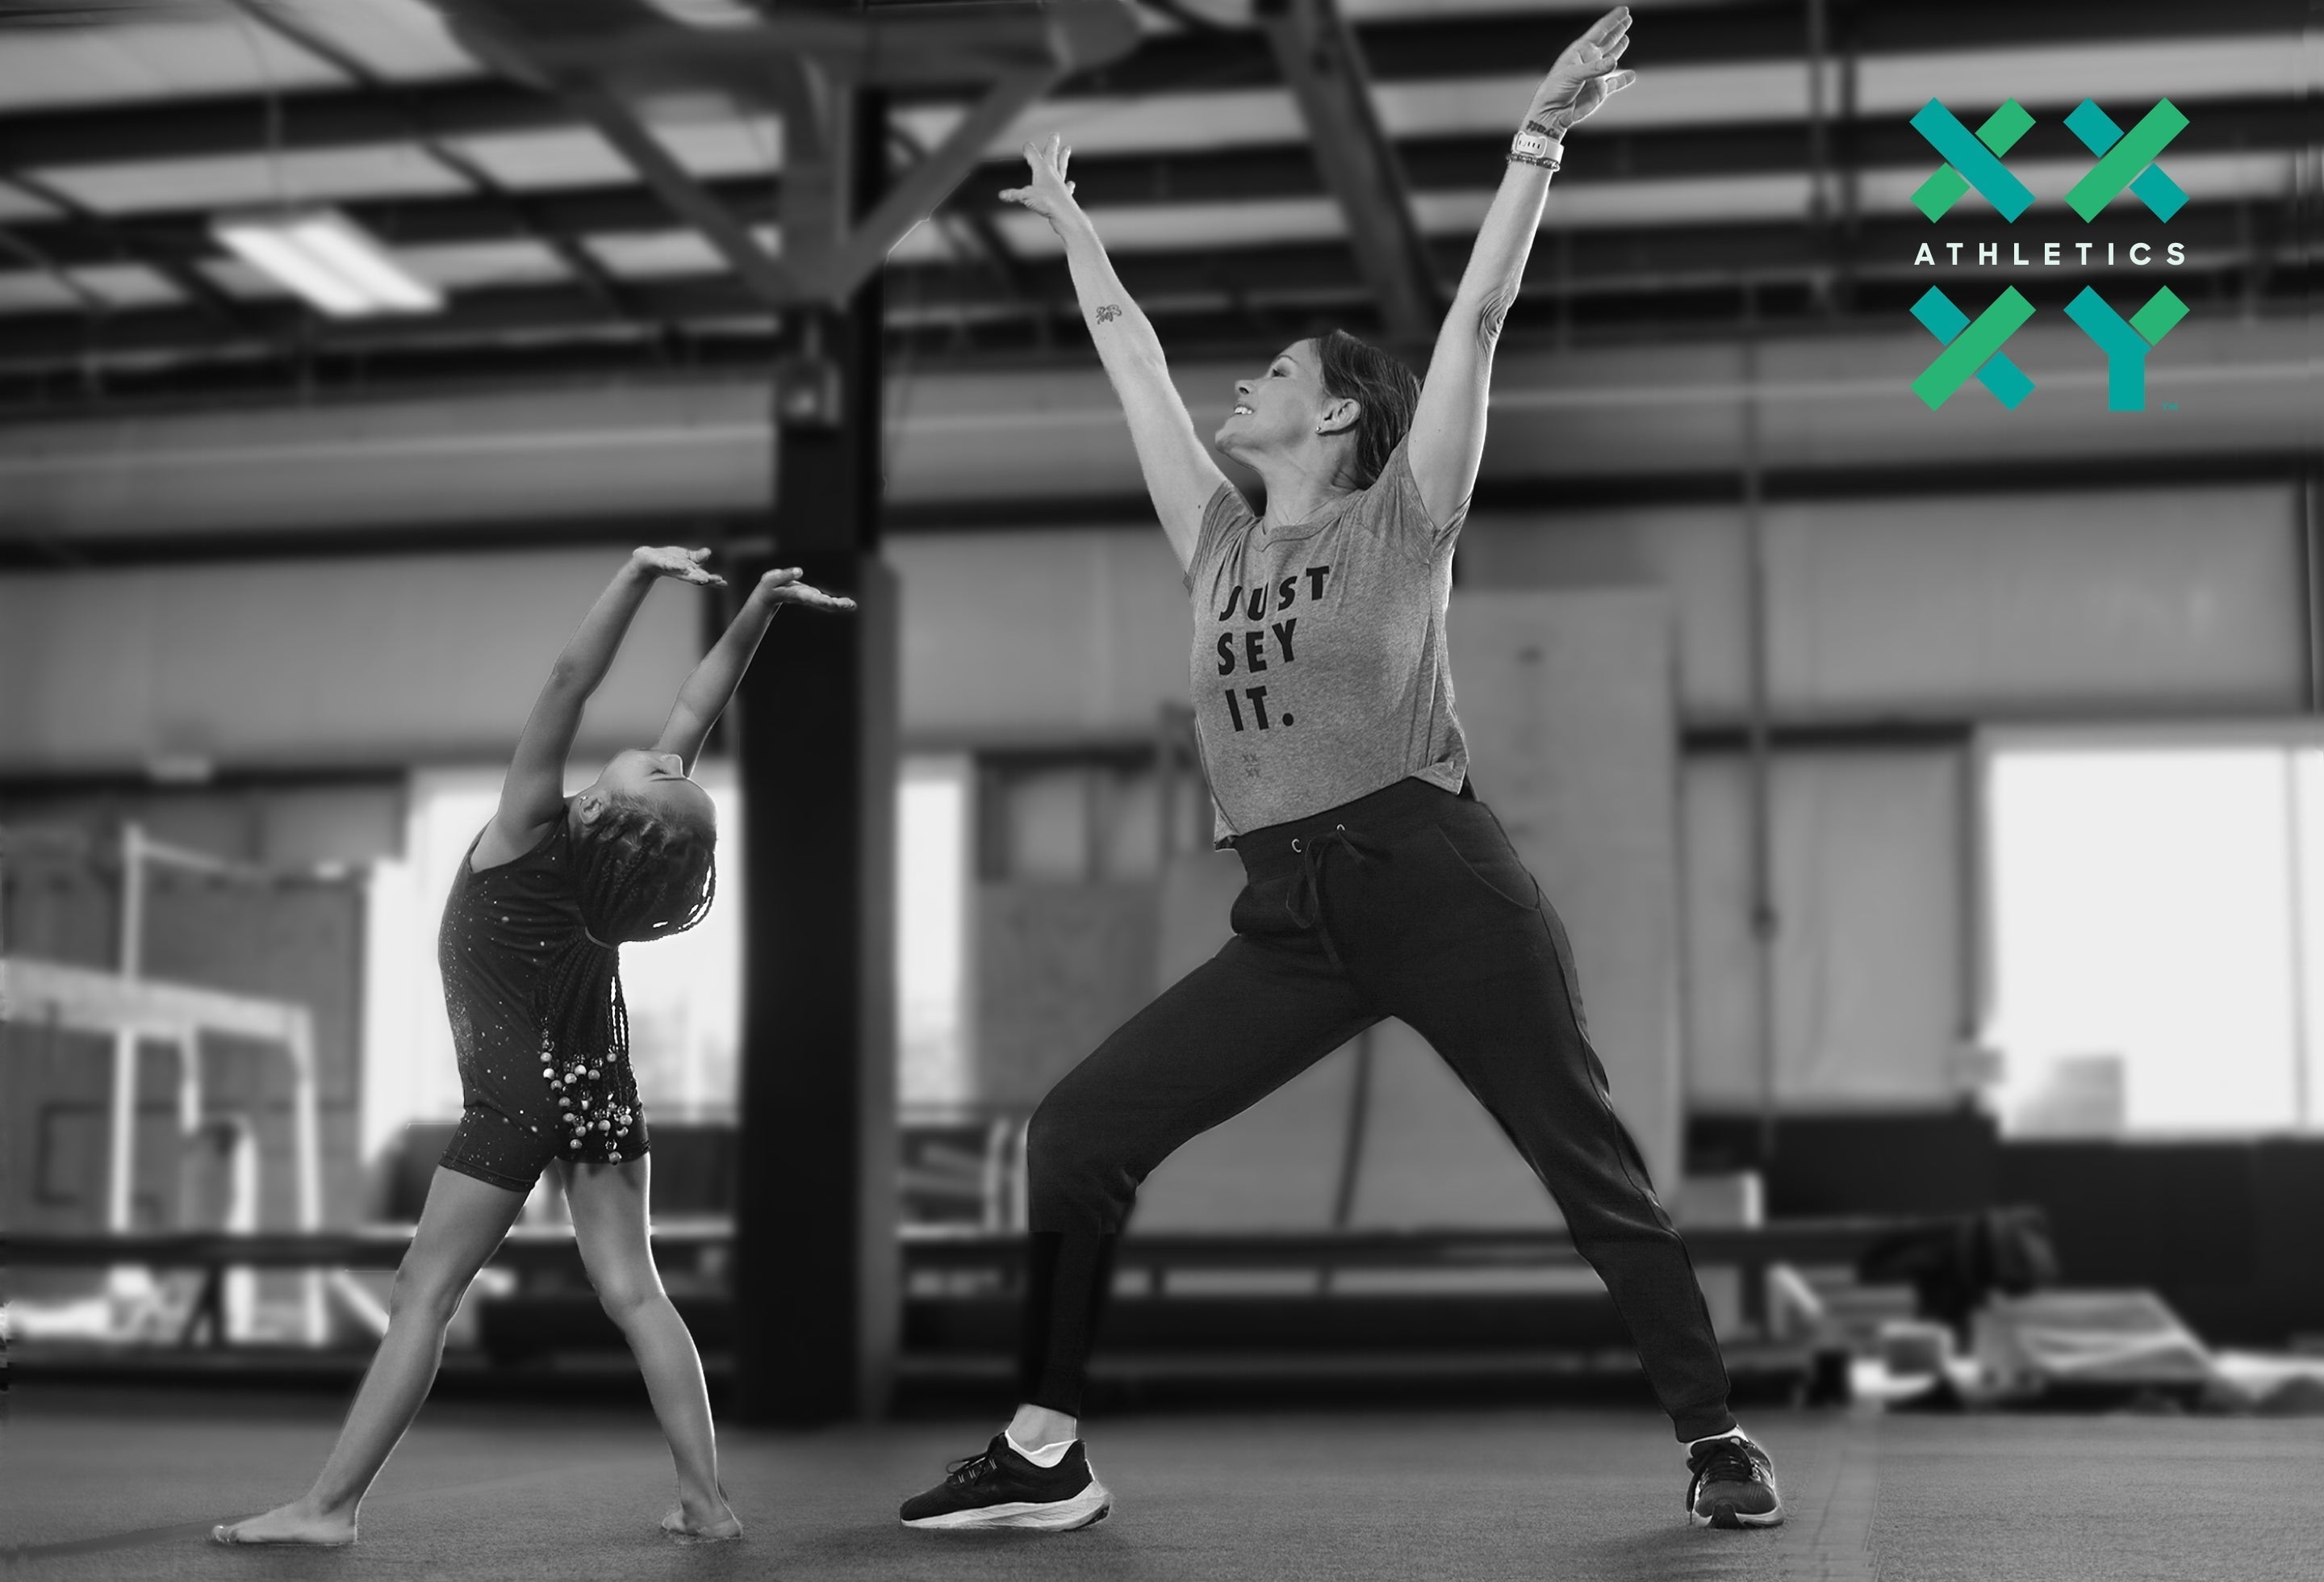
[(1000, 1488), (1734, 1486)]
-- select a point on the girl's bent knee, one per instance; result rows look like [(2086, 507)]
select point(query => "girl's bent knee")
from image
[(420, 1299), (625, 1302)]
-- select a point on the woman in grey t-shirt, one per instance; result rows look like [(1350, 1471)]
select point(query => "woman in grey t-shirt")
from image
[(1377, 885)]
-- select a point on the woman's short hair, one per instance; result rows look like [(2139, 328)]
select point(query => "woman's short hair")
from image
[(1381, 385)]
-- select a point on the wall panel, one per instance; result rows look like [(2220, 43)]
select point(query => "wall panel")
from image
[(1040, 635), (1870, 877), (368, 660), (2106, 600)]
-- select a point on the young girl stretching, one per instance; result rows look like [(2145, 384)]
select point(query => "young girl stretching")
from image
[(529, 950)]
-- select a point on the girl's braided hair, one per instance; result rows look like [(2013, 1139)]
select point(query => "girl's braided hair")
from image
[(640, 876), (637, 876)]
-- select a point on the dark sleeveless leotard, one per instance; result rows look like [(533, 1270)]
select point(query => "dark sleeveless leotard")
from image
[(524, 1100)]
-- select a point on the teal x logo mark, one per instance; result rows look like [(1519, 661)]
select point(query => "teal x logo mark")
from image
[(2125, 160), (1972, 161), (1972, 348), (2125, 343)]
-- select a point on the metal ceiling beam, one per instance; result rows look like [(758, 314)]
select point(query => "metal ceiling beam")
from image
[(321, 119), (863, 246), (772, 281), (808, 62), (132, 337), (1129, 180), (1180, 288), (1533, 496), (1319, 58), (1411, 50), (977, 223), (1621, 275)]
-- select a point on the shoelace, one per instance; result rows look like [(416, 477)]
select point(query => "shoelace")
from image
[(1725, 1461), (968, 1469), (1305, 901)]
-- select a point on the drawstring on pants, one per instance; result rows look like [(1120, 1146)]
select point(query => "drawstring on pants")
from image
[(1305, 901)]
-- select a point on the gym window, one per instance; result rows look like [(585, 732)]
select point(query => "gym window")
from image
[(2154, 906)]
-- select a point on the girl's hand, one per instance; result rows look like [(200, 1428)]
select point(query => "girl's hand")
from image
[(1046, 192), (681, 565), (784, 587), (1585, 77)]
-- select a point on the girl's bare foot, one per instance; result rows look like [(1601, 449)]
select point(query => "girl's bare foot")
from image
[(296, 1523), (711, 1525)]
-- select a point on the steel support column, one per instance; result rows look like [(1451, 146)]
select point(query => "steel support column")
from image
[(815, 1258)]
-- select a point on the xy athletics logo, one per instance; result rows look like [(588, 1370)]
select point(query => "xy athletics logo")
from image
[(1974, 163), (1973, 346), (2125, 160)]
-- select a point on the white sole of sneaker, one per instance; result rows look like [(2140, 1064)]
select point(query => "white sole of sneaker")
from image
[(1729, 1518), (1085, 1509)]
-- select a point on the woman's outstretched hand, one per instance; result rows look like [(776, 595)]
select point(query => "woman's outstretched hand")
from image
[(682, 565), (1045, 192), (784, 587), (1585, 77)]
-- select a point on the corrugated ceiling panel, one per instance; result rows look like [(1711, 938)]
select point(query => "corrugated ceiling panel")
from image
[(117, 285), (400, 40), (654, 254), (2187, 69), (16, 203), (31, 291), (234, 181), (1670, 96), (579, 157), (54, 66), (1173, 226), (569, 157), (1689, 200), (460, 266), (127, 285)]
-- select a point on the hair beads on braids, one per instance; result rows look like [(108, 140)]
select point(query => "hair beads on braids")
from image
[(637, 876)]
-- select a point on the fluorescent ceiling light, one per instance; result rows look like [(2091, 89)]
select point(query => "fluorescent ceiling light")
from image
[(710, 16), (327, 259)]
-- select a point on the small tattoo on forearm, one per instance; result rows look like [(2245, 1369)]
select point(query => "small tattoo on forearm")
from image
[(1108, 313)]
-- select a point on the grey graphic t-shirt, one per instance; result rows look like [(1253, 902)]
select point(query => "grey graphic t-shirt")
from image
[(1319, 670)]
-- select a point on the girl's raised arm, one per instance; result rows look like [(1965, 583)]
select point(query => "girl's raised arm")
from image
[(1448, 426), (1180, 474), (711, 685), (533, 794)]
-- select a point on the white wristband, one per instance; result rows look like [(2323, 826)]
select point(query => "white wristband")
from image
[(1537, 148)]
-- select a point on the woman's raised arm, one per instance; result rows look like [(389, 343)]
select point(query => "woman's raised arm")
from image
[(1180, 474), (1448, 426)]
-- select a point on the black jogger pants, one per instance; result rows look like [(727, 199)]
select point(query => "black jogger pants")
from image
[(1408, 903)]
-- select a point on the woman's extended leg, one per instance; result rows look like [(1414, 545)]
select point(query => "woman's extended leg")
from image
[(1216, 1043), (608, 1218), (1223, 1038), (1454, 936), (463, 1221)]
